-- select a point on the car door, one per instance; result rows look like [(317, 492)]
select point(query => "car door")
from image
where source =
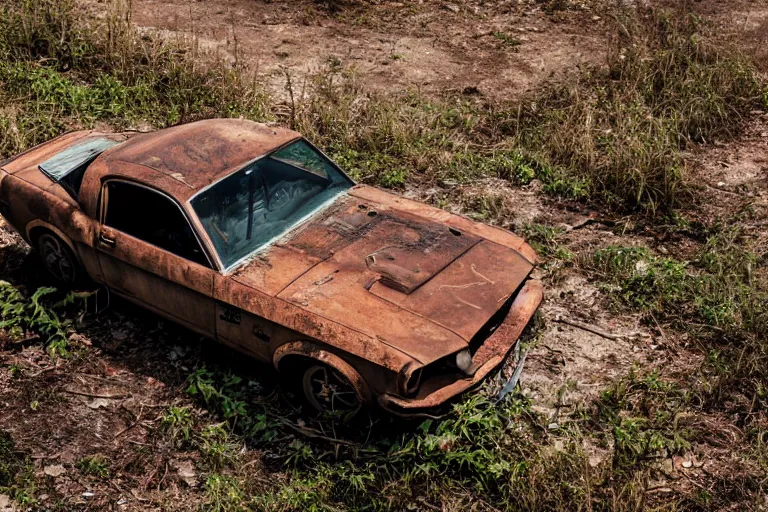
[(149, 253)]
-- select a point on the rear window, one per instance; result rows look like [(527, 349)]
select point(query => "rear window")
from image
[(67, 167), (58, 166)]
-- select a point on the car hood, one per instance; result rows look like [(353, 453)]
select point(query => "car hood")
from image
[(408, 275)]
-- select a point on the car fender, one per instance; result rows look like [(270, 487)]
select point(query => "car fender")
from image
[(316, 352), (37, 223)]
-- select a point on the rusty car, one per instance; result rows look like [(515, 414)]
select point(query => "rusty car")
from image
[(248, 234)]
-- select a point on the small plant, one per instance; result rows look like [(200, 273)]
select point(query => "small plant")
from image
[(95, 465), (506, 39), (177, 423), (223, 494), (20, 315), (543, 238), (217, 447), (17, 473)]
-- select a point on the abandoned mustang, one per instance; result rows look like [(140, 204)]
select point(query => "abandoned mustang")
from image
[(247, 234)]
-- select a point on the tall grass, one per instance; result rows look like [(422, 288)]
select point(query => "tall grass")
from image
[(614, 137), (60, 69), (622, 127)]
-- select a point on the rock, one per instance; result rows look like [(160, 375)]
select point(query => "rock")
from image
[(452, 7), (98, 403), (186, 471), (151, 381), (54, 470), (6, 504)]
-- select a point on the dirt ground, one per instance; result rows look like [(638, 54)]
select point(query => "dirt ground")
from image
[(110, 402), (497, 48)]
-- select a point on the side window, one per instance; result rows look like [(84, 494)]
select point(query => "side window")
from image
[(153, 218)]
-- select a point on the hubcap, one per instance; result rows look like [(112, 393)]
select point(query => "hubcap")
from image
[(56, 258), (328, 391)]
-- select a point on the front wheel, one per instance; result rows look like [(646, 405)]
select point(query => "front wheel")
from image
[(328, 392), (58, 259)]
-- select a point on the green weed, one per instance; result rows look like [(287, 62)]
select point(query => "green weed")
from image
[(506, 39), (95, 465), (223, 494), (20, 315), (217, 447), (17, 478), (177, 423)]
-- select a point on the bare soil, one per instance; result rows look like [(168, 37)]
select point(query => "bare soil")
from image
[(498, 49)]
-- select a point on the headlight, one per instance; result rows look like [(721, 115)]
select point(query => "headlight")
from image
[(464, 361)]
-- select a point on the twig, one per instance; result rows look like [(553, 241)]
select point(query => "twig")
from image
[(424, 502), (313, 434), (94, 395), (718, 189), (39, 457), (28, 339), (160, 483), (129, 427), (38, 373), (589, 328)]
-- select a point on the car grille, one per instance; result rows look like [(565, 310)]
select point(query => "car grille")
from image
[(492, 324)]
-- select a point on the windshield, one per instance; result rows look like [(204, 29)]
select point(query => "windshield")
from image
[(260, 202)]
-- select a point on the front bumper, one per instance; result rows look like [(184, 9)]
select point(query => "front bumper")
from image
[(438, 392)]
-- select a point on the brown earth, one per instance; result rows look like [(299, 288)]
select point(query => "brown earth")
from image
[(498, 48)]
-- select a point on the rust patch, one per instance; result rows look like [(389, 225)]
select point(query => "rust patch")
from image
[(376, 285)]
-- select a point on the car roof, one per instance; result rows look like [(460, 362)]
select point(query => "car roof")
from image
[(184, 159)]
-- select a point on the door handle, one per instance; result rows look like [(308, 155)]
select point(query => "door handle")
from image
[(106, 241)]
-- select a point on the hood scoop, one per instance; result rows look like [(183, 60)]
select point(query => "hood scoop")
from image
[(414, 252)]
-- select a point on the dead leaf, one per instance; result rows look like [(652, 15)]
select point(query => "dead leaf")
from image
[(98, 403), (54, 470), (186, 471)]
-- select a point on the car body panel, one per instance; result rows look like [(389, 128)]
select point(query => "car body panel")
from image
[(383, 284), (188, 158), (436, 392)]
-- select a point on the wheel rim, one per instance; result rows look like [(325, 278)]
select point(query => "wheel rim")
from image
[(56, 258), (328, 391)]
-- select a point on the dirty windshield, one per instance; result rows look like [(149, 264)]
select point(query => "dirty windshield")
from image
[(251, 207)]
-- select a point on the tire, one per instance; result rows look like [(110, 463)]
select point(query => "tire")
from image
[(59, 260), (328, 392)]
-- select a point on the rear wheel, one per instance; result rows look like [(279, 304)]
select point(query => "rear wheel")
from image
[(58, 259), (327, 391)]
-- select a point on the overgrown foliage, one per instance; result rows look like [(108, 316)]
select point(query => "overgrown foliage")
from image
[(483, 453), (719, 297), (614, 136), (21, 315), (58, 69)]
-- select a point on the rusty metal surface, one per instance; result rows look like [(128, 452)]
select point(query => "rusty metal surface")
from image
[(440, 389), (33, 157), (189, 157), (463, 224), (377, 282)]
